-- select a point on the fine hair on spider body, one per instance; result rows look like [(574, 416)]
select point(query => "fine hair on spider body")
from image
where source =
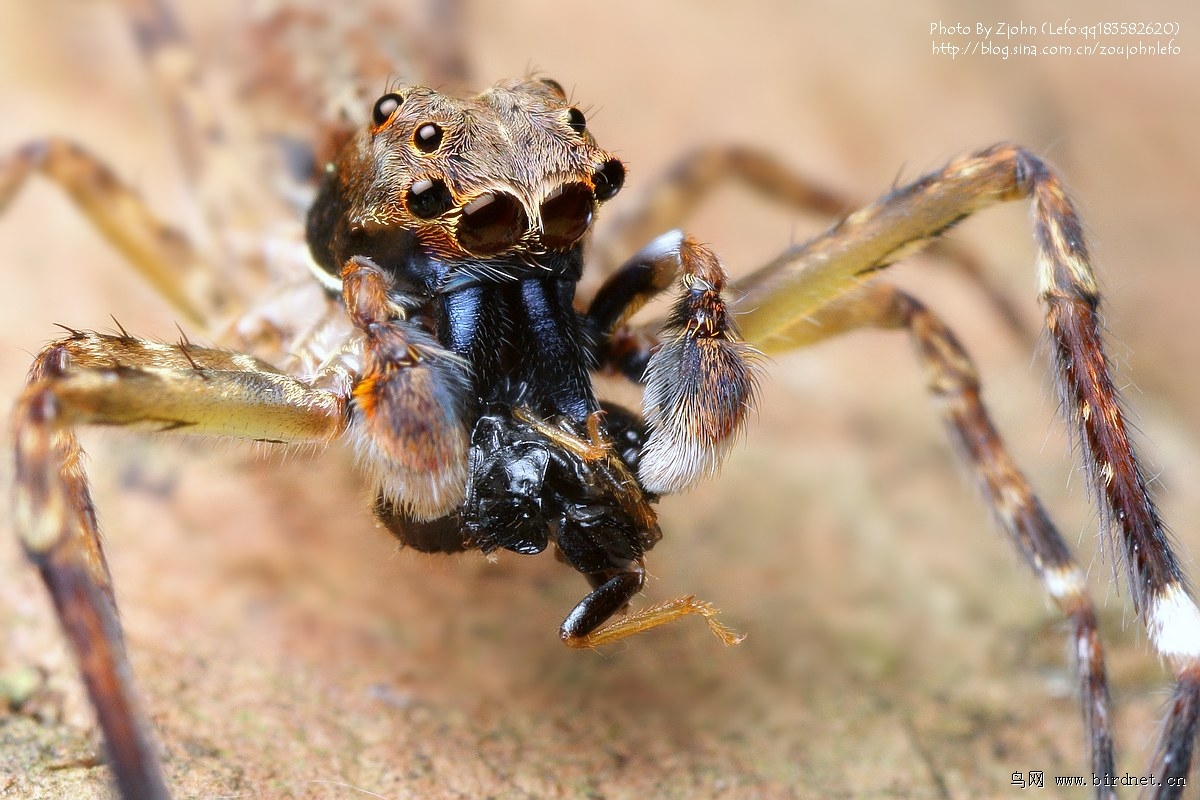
[(447, 237)]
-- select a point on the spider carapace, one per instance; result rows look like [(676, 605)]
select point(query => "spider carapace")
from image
[(456, 230)]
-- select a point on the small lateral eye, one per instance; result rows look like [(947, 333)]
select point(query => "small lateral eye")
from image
[(428, 137), (385, 107), (429, 198), (491, 224), (576, 120), (609, 179)]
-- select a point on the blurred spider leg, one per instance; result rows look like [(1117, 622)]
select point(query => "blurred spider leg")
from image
[(953, 382), (780, 296), (161, 253), (671, 200), (230, 196), (95, 379), (176, 71), (205, 146)]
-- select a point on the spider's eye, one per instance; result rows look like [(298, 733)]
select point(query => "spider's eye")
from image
[(428, 137), (492, 223), (554, 86), (429, 198), (566, 215), (385, 107), (576, 120), (609, 179)]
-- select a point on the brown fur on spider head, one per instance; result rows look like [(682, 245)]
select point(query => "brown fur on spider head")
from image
[(512, 171)]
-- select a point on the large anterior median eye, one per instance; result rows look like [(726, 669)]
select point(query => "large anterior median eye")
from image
[(491, 223), (566, 215)]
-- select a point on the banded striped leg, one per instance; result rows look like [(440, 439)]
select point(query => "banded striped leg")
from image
[(955, 385), (94, 379), (784, 297), (671, 200), (161, 253), (700, 381)]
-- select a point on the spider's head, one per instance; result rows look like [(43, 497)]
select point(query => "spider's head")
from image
[(511, 176)]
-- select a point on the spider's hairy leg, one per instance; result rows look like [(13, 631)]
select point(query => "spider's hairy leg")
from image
[(783, 296), (1157, 582), (407, 420), (671, 199), (95, 379), (806, 276), (700, 382), (160, 252), (954, 384)]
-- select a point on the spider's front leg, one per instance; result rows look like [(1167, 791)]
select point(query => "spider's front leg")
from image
[(679, 191), (807, 294), (700, 377), (407, 419), (96, 379)]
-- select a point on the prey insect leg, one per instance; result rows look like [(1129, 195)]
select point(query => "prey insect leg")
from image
[(700, 381)]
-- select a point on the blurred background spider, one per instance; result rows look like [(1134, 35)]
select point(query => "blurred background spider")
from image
[(876, 629)]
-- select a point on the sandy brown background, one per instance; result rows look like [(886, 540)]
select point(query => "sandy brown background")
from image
[(896, 647)]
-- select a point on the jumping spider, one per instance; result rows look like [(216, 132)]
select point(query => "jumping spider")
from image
[(452, 233)]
